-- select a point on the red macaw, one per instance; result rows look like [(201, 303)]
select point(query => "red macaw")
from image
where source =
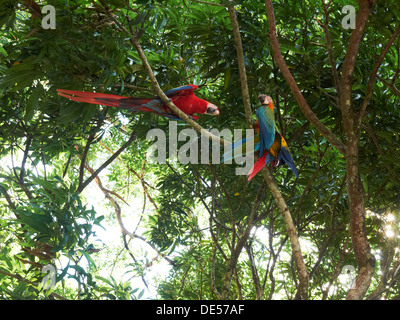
[(183, 97), (273, 147)]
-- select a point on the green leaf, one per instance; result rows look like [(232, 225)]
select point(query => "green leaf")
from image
[(140, 294), (62, 274), (286, 45), (21, 75), (39, 222), (3, 52), (79, 269), (33, 102)]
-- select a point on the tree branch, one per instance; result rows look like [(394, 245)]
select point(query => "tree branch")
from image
[(117, 208), (302, 274), (26, 151), (373, 75), (254, 273), (242, 67), (83, 160), (140, 177), (329, 44), (391, 86), (311, 116), (106, 163), (350, 58), (8, 198), (241, 243), (355, 190)]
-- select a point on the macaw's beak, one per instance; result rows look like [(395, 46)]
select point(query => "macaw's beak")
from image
[(212, 110)]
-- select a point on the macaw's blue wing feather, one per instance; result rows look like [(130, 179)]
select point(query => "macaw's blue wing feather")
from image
[(184, 90), (155, 106), (266, 123), (284, 156), (269, 158)]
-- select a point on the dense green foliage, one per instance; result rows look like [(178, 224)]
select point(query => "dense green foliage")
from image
[(186, 217)]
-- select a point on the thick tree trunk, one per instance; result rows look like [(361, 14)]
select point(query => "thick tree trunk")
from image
[(355, 190), (365, 260)]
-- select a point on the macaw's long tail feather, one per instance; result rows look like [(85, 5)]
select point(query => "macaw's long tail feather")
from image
[(286, 157), (237, 149), (257, 166), (111, 100), (133, 104), (237, 145)]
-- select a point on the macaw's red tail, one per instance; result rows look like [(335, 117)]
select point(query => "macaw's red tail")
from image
[(111, 100), (257, 166)]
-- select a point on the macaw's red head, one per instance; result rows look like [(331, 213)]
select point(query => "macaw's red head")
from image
[(266, 100), (212, 109)]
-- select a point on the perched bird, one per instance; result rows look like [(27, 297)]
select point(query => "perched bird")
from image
[(273, 147), (269, 142), (183, 97)]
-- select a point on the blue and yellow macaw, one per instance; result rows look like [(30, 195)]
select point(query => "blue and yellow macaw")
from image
[(270, 143)]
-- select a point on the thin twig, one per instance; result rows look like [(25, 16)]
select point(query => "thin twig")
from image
[(27, 146), (374, 73), (106, 163), (208, 3), (329, 44)]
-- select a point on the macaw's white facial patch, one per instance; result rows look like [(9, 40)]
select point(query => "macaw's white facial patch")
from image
[(212, 109)]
